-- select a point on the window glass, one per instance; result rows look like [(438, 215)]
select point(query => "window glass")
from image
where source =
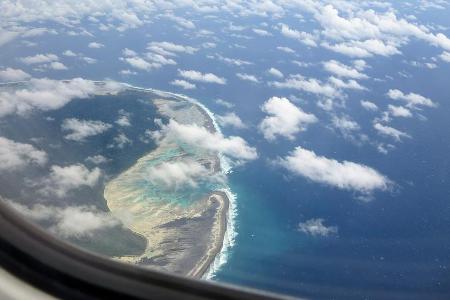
[(295, 146)]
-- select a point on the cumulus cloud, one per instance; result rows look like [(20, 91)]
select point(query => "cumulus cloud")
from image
[(310, 85), (95, 45), (141, 64), (445, 56), (284, 119), (349, 84), (62, 180), (120, 141), (124, 119), (7, 36), (47, 94), (69, 53), (56, 65), (185, 23), (247, 77), (412, 100), (10, 74), (362, 49), (39, 59), (301, 36), (369, 105), (275, 72), (399, 111), (183, 84), (15, 156), (169, 49), (180, 174), (224, 103), (80, 130), (233, 147), (97, 159), (70, 221), (231, 119), (373, 32), (343, 70), (344, 175), (390, 131), (232, 61), (201, 77), (345, 124), (286, 49), (261, 32), (316, 227)]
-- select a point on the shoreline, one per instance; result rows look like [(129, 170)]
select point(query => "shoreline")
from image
[(218, 239)]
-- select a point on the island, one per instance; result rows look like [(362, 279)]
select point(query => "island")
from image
[(184, 227)]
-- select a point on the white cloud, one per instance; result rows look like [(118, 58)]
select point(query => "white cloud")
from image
[(7, 36), (301, 36), (445, 56), (261, 32), (127, 72), (349, 84), (168, 48), (39, 59), (361, 49), (69, 53), (47, 94), (120, 141), (231, 119), (80, 130), (224, 103), (124, 119), (159, 59), (412, 100), (232, 61), (97, 159), (184, 84), (284, 119), (89, 60), (247, 77), (95, 45), (233, 147), (371, 30), (56, 65), (344, 175), (310, 85), (345, 124), (342, 70), (10, 74), (180, 174), (286, 49), (370, 106), (181, 21), (201, 77), (316, 227), (275, 72), (62, 180), (141, 64), (399, 111), (15, 156), (70, 221), (391, 132)]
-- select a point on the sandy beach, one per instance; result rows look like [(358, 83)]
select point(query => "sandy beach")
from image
[(217, 239)]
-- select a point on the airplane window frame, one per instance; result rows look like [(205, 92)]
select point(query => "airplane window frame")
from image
[(65, 271)]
